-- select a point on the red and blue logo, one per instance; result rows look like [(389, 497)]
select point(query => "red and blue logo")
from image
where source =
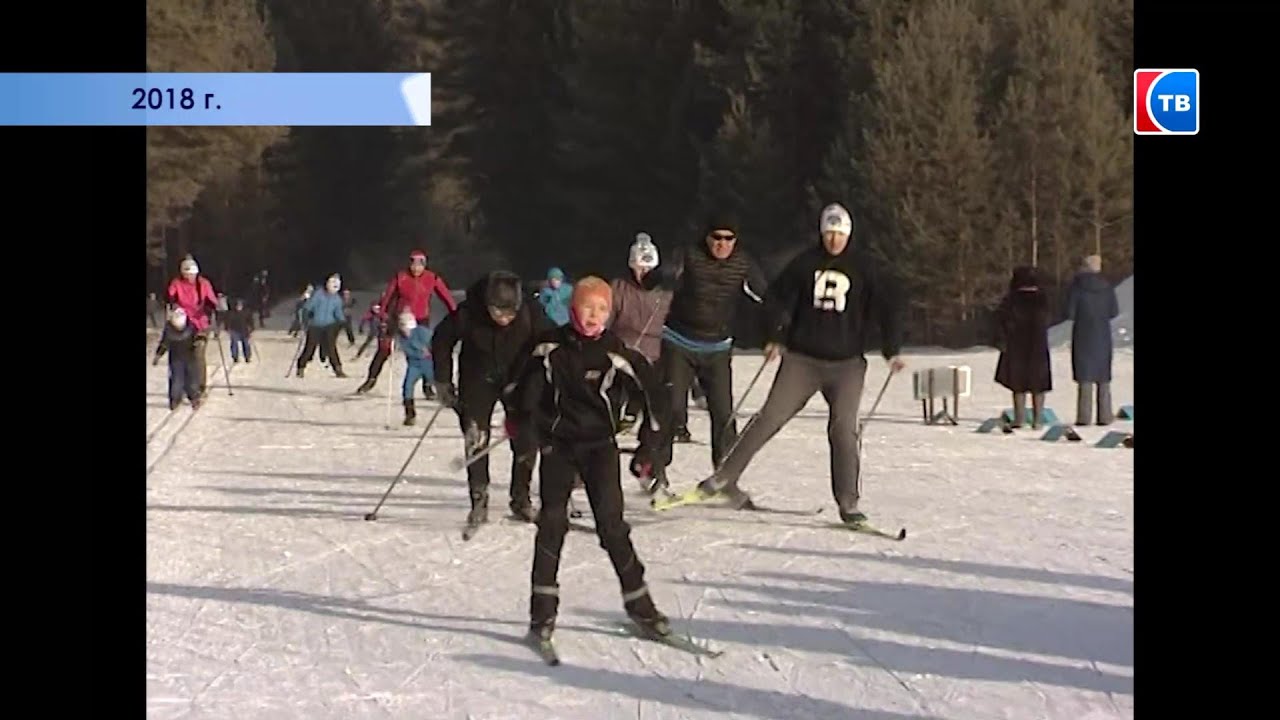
[(1166, 102)]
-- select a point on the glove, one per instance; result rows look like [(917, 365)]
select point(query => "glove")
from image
[(511, 427), (447, 394), (642, 462)]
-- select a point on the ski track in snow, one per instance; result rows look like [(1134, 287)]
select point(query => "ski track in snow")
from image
[(269, 596)]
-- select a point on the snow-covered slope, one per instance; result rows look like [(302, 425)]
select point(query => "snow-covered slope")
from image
[(268, 595)]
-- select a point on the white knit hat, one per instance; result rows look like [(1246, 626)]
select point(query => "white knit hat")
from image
[(644, 254), (836, 218)]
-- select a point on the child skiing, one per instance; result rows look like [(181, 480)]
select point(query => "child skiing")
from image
[(415, 342), (496, 328), (566, 396), (239, 324), (178, 339), (323, 318)]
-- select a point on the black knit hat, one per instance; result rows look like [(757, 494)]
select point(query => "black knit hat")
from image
[(503, 291), (722, 221)]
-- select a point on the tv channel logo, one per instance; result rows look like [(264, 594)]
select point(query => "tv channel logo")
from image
[(1166, 102)]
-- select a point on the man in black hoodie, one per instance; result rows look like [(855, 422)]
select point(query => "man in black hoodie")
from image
[(496, 328), (819, 309), (708, 279)]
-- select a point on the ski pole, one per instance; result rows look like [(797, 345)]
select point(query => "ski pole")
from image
[(745, 393), (862, 424), (391, 360), (297, 353), (222, 355), (374, 515), (459, 463)]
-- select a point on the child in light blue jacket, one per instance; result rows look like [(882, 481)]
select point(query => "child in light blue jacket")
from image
[(415, 343)]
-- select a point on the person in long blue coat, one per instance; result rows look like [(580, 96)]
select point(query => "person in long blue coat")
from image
[(1091, 305)]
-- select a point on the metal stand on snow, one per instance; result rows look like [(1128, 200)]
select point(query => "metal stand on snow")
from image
[(374, 515)]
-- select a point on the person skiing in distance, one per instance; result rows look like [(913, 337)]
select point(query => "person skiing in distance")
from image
[(819, 309), (323, 319), (369, 326), (563, 397), (697, 339), (153, 310), (196, 296), (555, 295), (1091, 306), (348, 309), (260, 300), (410, 289), (178, 340), (1022, 335), (298, 324), (495, 328), (415, 342), (239, 324)]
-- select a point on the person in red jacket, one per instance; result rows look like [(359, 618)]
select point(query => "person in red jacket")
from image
[(410, 290), (195, 295)]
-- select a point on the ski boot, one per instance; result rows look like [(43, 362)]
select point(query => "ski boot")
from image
[(852, 516), (410, 413), (301, 369), (479, 514), (682, 435), (625, 424), (173, 404), (366, 386), (523, 509), (645, 615), (337, 371)]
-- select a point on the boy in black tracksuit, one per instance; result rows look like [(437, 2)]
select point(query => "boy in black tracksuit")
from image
[(820, 307), (568, 396), (496, 329)]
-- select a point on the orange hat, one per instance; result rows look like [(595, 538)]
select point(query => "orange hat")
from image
[(592, 286)]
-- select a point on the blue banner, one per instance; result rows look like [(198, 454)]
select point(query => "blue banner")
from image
[(235, 99)]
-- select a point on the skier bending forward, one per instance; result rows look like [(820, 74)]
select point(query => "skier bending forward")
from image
[(819, 309), (567, 396)]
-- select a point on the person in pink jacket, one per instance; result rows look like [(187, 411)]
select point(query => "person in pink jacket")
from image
[(195, 295)]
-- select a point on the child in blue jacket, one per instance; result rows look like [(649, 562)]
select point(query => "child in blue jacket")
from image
[(325, 316), (415, 343), (555, 297)]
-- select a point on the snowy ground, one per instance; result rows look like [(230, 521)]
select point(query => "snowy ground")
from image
[(269, 596)]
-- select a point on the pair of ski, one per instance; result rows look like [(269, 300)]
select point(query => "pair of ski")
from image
[(546, 647), (696, 496)]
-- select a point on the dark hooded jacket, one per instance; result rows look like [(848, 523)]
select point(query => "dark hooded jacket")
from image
[(1022, 335), (1091, 305), (490, 353)]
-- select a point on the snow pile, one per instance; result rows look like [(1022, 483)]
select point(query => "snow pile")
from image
[(1121, 326)]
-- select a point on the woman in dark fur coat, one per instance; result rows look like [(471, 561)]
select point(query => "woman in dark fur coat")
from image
[(1022, 335)]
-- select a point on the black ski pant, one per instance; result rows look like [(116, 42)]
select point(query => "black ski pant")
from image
[(351, 333), (323, 338), (476, 401), (714, 371), (199, 363), (183, 381), (798, 379), (597, 464)]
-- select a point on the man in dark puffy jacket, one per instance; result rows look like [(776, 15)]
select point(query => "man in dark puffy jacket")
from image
[(697, 340), (1091, 305)]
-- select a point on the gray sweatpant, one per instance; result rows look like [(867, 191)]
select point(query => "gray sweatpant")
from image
[(799, 377)]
